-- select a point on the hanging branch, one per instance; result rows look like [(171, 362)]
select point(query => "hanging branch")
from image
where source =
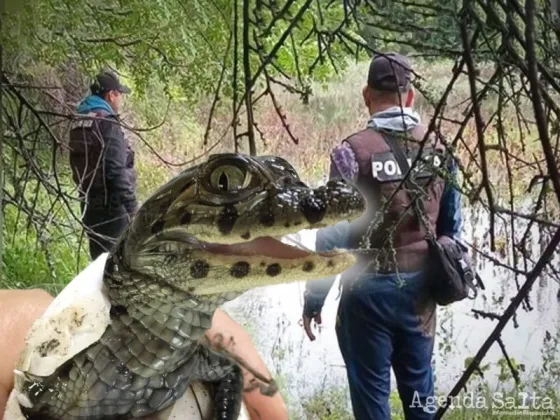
[(235, 76), (487, 315), (280, 43), (537, 98), (248, 80), (513, 369), (479, 129), (508, 313), (278, 109), (217, 94), (281, 15)]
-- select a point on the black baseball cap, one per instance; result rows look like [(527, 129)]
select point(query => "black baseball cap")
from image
[(107, 80), (390, 72)]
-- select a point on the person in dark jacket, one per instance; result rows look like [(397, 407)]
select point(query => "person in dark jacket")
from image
[(103, 164), (386, 317)]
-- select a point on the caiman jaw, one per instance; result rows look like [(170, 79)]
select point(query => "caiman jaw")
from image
[(206, 241), (260, 262)]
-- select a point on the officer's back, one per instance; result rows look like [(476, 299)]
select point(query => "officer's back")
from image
[(102, 162)]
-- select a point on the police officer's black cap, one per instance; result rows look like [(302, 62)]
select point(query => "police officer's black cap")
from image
[(107, 81), (390, 72)]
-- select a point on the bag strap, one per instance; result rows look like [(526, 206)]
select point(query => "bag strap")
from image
[(419, 208), (418, 203)]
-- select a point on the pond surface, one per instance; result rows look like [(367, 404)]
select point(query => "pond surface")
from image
[(273, 316)]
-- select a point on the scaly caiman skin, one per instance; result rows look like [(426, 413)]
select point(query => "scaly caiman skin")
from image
[(202, 239)]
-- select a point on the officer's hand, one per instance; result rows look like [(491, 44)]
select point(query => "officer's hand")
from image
[(307, 324)]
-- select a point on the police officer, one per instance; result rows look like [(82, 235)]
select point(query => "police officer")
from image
[(103, 164), (386, 317)]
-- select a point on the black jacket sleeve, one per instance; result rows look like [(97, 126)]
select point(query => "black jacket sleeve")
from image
[(121, 189)]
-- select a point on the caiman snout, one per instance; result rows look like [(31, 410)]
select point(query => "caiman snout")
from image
[(330, 203)]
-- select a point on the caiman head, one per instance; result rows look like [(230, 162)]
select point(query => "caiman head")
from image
[(217, 227)]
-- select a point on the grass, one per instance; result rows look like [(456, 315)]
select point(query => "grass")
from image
[(505, 400), (478, 404)]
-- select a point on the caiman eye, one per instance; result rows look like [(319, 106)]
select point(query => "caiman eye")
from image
[(228, 178)]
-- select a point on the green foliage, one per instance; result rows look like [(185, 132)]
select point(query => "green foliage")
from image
[(427, 26), (481, 369), (39, 259), (478, 403), (178, 43), (146, 40), (330, 404)]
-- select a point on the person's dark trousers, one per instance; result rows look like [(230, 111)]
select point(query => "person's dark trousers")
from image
[(103, 228), (382, 322)]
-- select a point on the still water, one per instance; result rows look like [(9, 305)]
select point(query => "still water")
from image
[(273, 316)]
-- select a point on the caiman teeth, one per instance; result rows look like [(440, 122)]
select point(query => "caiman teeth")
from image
[(291, 240), (285, 247)]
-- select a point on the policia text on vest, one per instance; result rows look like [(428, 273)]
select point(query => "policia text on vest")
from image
[(385, 168)]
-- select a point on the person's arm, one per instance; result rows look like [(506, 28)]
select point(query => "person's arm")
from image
[(226, 332), (450, 220), (115, 158), (20, 308), (316, 291), (328, 238), (343, 165)]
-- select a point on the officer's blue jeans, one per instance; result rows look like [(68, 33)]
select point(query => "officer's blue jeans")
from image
[(382, 322)]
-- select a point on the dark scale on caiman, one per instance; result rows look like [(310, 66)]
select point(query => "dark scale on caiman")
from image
[(186, 252)]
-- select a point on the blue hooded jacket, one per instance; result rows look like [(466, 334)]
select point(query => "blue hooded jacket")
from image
[(114, 184), (93, 103)]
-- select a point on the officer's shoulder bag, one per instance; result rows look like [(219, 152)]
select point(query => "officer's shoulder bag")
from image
[(450, 272)]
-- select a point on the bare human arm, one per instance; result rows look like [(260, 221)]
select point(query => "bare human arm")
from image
[(20, 308)]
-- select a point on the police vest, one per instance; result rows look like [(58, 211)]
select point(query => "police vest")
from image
[(389, 231)]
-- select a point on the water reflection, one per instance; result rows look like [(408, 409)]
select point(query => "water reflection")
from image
[(273, 317)]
